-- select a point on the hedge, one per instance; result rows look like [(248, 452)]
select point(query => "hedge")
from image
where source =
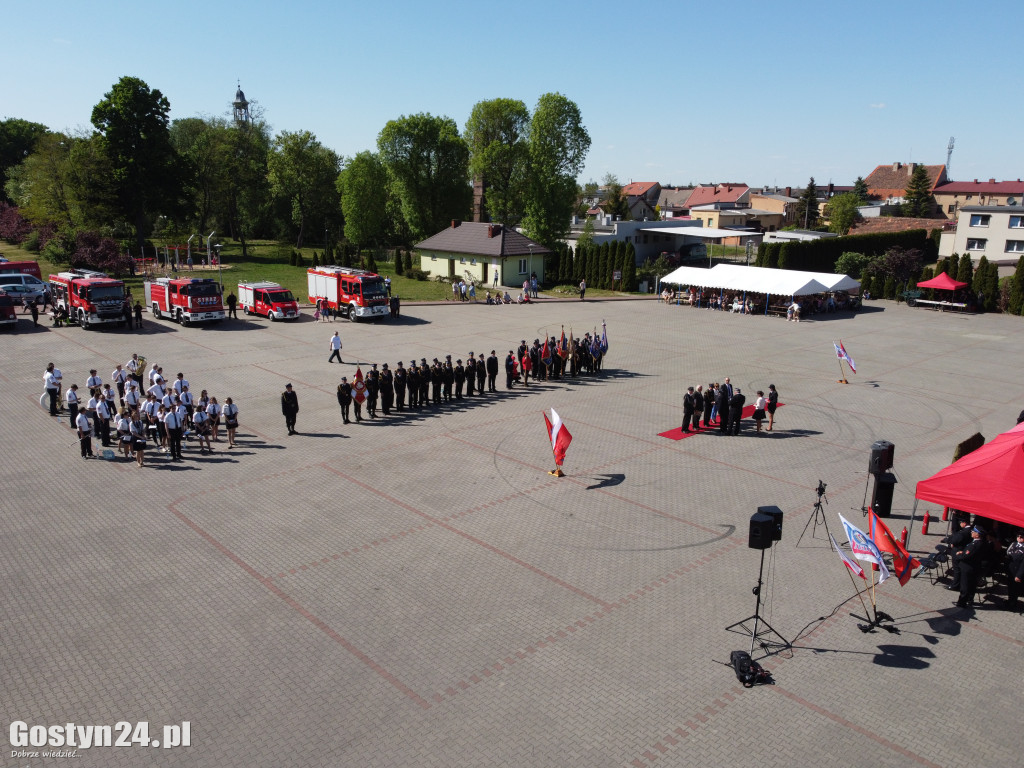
[(821, 255)]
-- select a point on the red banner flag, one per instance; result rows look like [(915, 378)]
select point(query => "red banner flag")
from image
[(558, 436), (902, 563)]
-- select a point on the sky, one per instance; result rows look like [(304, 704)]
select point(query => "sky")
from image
[(763, 93)]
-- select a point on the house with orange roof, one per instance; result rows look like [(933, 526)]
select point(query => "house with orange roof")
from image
[(734, 195), (889, 182)]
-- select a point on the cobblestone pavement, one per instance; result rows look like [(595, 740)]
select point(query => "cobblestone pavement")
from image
[(418, 591)]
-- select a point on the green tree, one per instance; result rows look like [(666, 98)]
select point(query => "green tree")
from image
[(965, 269), (558, 147), (1016, 301), (17, 141), (852, 264), (499, 157), (917, 200), (363, 185), (860, 190), (428, 164), (629, 269), (615, 201), (841, 212), (304, 173), (133, 123), (807, 207)]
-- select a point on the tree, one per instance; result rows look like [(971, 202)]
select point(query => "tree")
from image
[(807, 207), (499, 157), (629, 269), (852, 264), (965, 269), (17, 141), (1015, 305), (860, 190), (363, 185), (917, 200), (616, 202), (303, 172), (558, 147), (133, 123), (428, 165), (841, 212)]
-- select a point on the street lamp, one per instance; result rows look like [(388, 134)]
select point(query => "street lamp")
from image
[(220, 273)]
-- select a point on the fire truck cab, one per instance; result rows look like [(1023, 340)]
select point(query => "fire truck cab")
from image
[(357, 293), (185, 300), (90, 298), (271, 300), (8, 311)]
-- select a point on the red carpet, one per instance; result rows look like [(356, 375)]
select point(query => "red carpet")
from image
[(678, 434)]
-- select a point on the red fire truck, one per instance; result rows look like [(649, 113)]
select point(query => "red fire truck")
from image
[(90, 298), (269, 299), (358, 293), (8, 312), (185, 300)]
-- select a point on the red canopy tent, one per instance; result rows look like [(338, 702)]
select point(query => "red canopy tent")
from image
[(987, 482), (942, 282)]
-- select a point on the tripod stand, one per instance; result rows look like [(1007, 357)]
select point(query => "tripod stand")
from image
[(819, 512), (761, 628)]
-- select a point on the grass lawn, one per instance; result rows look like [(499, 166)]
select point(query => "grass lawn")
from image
[(268, 260)]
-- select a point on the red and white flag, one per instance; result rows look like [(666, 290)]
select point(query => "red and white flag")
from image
[(842, 354), (359, 387), (902, 562), (558, 435), (857, 570)]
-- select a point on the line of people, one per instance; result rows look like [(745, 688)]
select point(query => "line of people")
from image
[(722, 404)]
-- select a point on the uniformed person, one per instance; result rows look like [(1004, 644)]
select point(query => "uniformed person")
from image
[(460, 378), (372, 390), (413, 380), (481, 374), (344, 398), (84, 434), (290, 408), (492, 371), (424, 382), (436, 377), (387, 390), (688, 407), (173, 425), (470, 374), (400, 382), (447, 378)]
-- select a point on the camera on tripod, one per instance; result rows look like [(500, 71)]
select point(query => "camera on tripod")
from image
[(821, 489)]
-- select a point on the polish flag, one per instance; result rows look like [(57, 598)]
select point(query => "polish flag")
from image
[(856, 569), (359, 386), (558, 435)]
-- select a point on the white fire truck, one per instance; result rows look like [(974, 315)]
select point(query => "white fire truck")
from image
[(272, 300), (357, 293), (185, 300), (90, 298)]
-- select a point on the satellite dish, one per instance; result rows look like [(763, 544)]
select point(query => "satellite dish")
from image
[(1011, 201)]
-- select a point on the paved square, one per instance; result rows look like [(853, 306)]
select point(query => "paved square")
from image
[(418, 591)]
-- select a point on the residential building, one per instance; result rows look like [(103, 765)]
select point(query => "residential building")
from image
[(674, 202), (736, 195), (993, 231), (720, 216), (476, 251), (775, 202), (954, 195), (650, 239), (889, 182)]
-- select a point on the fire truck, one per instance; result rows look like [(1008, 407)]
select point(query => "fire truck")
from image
[(90, 298), (357, 293), (8, 316), (270, 299), (185, 300)]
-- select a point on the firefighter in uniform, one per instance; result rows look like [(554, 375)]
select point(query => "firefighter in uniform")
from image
[(436, 377), (413, 379), (447, 378), (424, 382), (290, 408), (460, 378), (372, 390), (387, 390), (400, 381), (470, 375), (344, 398)]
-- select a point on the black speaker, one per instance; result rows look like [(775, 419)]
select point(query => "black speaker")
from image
[(762, 530), (881, 494), (882, 454), (776, 515)]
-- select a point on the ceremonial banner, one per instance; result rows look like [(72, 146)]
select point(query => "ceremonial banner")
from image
[(864, 549), (558, 435), (856, 569)]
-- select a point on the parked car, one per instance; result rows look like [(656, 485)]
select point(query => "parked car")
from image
[(24, 294)]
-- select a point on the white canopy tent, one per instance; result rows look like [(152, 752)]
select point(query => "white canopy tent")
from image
[(735, 277)]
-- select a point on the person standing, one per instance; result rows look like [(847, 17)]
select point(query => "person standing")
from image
[(492, 372), (201, 422), (372, 390), (968, 561), (510, 366), (736, 411), (387, 390), (173, 425), (290, 408), (424, 382), (72, 401), (472, 292), (460, 378), (102, 420), (84, 434), (50, 382), (387, 284), (583, 289), (230, 420), (447, 378), (138, 319), (413, 381), (759, 407), (526, 363), (722, 405), (773, 404), (698, 406), (232, 302), (1015, 571), (213, 410), (401, 379), (134, 368), (470, 375), (94, 383), (688, 405), (436, 380), (138, 437), (118, 377), (335, 349)]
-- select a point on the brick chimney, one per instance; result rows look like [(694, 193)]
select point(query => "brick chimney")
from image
[(896, 166), (493, 230), (789, 191), (456, 223)]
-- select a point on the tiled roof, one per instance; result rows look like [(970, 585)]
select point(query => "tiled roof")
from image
[(674, 198), (638, 188), (722, 193), (481, 239), (990, 187), (894, 224), (892, 180)]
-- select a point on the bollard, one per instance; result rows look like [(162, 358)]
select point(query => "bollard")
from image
[(924, 523)]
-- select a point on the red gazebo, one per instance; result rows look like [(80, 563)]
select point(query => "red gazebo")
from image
[(943, 282)]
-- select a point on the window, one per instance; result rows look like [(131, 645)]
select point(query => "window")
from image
[(1017, 222), (472, 262), (462, 260), (433, 257), (1015, 246), (976, 244), (951, 209), (980, 219), (522, 266)]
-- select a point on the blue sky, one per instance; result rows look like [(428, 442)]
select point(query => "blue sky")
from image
[(675, 92)]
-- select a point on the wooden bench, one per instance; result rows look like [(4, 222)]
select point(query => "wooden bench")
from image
[(778, 309)]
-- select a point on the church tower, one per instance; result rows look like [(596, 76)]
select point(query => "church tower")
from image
[(241, 107)]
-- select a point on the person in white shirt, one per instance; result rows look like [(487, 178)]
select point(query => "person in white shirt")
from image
[(202, 424), (58, 379), (180, 383), (335, 348), (124, 433), (131, 395), (152, 373), (759, 405), (169, 400), (230, 420), (157, 391), (118, 377), (102, 421), (94, 383), (72, 401), (187, 400), (133, 367), (173, 425), (108, 393), (51, 388), (138, 434), (213, 410), (84, 434)]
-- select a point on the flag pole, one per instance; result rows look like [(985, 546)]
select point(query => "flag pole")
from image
[(842, 371), (856, 589)]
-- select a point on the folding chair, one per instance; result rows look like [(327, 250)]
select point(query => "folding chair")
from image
[(934, 566)]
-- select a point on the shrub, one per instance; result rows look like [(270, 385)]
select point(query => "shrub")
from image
[(399, 262), (31, 243), (408, 260), (416, 274)]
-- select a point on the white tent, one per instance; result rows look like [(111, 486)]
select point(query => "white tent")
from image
[(691, 276), (776, 282), (837, 282)]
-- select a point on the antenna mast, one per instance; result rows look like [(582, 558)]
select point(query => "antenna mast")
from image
[(949, 154)]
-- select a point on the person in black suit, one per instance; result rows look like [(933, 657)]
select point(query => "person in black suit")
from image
[(722, 403), (698, 406), (688, 407), (969, 562), (492, 371), (709, 403), (736, 411), (1015, 571)]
